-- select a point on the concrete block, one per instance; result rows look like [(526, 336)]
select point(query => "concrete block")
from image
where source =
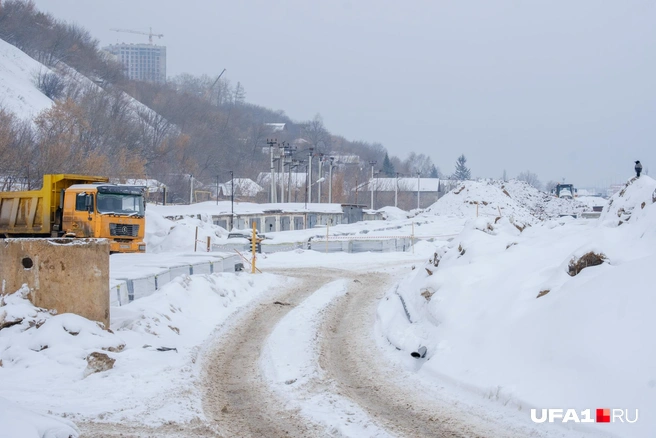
[(66, 275)]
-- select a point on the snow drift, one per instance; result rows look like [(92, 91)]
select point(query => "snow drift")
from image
[(500, 314)]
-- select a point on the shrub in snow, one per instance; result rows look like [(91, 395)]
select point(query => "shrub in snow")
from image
[(591, 258)]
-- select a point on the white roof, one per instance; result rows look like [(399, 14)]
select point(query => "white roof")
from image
[(297, 179), (243, 187), (275, 127), (152, 185), (405, 184)]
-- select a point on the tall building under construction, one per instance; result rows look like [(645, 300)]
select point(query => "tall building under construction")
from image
[(141, 62)]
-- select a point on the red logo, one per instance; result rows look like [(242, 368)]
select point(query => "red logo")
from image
[(603, 415)]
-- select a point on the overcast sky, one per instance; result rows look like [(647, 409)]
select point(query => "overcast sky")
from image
[(564, 89)]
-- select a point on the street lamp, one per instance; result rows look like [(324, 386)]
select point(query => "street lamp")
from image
[(372, 163), (321, 160), (330, 185), (293, 165), (319, 181), (309, 177)]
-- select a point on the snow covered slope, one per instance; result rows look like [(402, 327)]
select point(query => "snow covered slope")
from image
[(18, 94), (501, 312)]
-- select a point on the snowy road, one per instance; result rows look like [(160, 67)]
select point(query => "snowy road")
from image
[(237, 398), (345, 384), (240, 402)]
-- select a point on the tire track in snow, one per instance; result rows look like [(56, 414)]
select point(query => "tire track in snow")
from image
[(237, 399), (290, 363)]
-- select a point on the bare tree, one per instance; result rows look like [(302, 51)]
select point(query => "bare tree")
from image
[(550, 186), (531, 179)]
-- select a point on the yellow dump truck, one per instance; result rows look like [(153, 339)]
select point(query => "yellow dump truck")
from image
[(77, 206)]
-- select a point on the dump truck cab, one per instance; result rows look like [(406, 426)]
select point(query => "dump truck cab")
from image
[(106, 210)]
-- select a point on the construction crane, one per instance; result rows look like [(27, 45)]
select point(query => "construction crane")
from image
[(208, 92), (150, 33)]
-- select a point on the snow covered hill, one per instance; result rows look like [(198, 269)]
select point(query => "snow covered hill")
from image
[(18, 94), (557, 315)]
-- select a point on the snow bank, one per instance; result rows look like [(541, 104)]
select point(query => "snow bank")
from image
[(156, 343), (630, 202), (165, 235), (500, 314), (18, 422)]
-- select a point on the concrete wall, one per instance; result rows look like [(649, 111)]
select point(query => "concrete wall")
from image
[(66, 275)]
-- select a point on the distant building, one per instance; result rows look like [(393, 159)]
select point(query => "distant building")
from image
[(276, 127), (141, 62), (429, 191), (245, 188)]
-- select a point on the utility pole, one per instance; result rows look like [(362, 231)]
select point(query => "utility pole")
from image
[(217, 190), (283, 159), (289, 181), (330, 183), (272, 142), (320, 176), (396, 191), (372, 163), (232, 200), (191, 189), (309, 188), (418, 182)]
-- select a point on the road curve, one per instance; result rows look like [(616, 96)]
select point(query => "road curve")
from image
[(237, 398)]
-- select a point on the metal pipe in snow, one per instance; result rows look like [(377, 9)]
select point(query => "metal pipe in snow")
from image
[(420, 353)]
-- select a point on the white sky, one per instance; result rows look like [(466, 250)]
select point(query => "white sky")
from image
[(563, 89)]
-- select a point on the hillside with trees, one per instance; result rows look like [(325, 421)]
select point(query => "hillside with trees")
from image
[(102, 123)]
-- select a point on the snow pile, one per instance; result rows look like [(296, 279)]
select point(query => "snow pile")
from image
[(473, 198), (499, 311), (18, 422), (18, 71), (516, 199), (165, 235), (31, 337), (394, 213), (631, 201), (542, 205), (156, 344)]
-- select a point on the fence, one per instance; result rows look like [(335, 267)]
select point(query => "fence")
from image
[(132, 276), (350, 244)]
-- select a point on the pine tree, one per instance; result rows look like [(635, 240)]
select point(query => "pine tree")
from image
[(388, 167), (434, 172), (462, 172)]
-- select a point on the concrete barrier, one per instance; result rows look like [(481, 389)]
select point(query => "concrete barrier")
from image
[(143, 274), (65, 275)]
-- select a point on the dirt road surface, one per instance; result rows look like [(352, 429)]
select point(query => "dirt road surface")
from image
[(239, 403)]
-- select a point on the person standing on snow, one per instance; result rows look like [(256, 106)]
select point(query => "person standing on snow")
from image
[(638, 168)]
